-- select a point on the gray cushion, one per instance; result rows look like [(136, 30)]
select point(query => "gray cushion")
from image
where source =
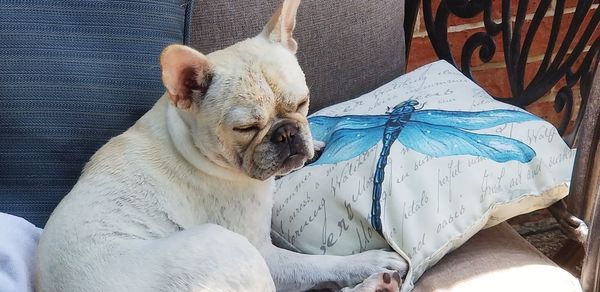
[(346, 47)]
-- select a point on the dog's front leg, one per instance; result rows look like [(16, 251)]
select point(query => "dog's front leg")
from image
[(297, 272)]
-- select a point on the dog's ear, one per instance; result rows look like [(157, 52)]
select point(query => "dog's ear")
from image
[(184, 70), (281, 26)]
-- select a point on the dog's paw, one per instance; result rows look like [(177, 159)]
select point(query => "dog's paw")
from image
[(382, 282), (377, 261), (358, 267), (318, 145)]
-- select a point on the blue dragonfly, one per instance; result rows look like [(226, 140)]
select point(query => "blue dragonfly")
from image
[(436, 133)]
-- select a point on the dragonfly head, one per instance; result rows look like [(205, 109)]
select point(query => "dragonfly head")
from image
[(412, 102), (404, 107)]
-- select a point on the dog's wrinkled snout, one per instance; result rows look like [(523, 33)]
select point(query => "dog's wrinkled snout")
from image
[(285, 133), (287, 138)]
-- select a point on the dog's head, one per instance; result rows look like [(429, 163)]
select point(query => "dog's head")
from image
[(246, 105)]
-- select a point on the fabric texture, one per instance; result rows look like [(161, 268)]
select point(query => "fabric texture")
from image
[(345, 47), (496, 259), (18, 242), (432, 157), (72, 75)]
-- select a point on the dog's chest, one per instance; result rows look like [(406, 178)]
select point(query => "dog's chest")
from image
[(249, 217), (243, 209)]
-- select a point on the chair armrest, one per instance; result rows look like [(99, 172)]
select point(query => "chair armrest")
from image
[(589, 139)]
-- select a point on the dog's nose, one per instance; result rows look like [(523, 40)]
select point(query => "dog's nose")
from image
[(285, 133)]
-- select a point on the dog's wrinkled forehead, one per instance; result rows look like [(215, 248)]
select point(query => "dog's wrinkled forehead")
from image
[(286, 82), (260, 74)]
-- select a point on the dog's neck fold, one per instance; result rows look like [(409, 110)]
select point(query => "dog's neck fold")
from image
[(179, 132)]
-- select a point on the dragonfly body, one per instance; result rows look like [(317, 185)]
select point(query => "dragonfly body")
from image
[(393, 126), (435, 133)]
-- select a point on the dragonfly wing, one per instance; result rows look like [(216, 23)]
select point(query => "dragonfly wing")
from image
[(322, 127), (472, 120), (344, 144), (439, 141)]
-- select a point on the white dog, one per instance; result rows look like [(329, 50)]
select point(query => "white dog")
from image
[(182, 200)]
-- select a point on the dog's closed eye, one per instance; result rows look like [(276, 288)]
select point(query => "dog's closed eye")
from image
[(302, 104), (247, 128)]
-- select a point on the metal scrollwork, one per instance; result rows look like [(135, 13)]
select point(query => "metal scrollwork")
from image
[(560, 59)]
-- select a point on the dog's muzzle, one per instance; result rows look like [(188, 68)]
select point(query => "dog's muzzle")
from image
[(290, 143), (286, 147)]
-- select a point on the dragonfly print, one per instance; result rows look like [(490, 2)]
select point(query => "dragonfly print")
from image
[(432, 132)]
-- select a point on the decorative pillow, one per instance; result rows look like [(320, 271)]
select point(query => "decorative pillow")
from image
[(431, 159), (73, 74)]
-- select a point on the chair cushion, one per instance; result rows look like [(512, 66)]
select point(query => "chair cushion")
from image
[(496, 259), (346, 47), (73, 74)]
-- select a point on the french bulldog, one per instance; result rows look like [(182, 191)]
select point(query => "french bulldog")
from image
[(182, 200)]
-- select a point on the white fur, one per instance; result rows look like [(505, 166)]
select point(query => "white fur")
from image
[(166, 207)]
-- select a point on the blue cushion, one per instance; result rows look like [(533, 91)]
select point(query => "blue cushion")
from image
[(73, 74)]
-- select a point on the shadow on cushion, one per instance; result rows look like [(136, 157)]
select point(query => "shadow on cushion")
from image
[(496, 259)]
